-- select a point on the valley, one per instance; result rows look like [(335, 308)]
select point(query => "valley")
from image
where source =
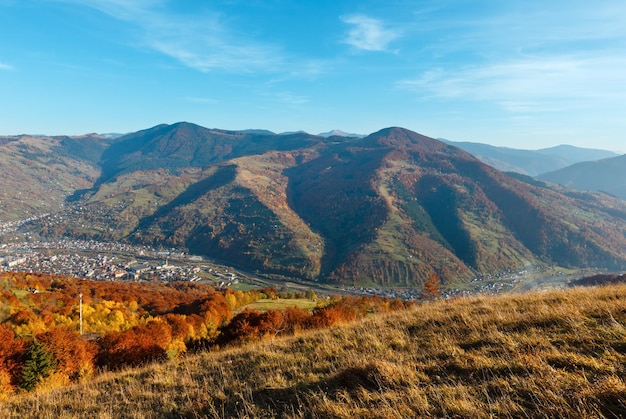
[(300, 209), (183, 245), (115, 261), (380, 212)]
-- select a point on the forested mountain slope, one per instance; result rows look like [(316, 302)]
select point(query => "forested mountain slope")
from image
[(388, 209)]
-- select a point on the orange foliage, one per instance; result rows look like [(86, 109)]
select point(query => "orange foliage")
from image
[(432, 288), (22, 317), (178, 324), (143, 322), (295, 319), (243, 327), (331, 315), (74, 355), (250, 325), (214, 309), (11, 352), (10, 299), (272, 323), (135, 346)]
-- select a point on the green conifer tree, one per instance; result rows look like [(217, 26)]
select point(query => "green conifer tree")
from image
[(39, 363)]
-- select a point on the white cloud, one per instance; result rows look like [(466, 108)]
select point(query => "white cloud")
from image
[(543, 57), (368, 34), (122, 9), (529, 84), (201, 41), (6, 67), (199, 45)]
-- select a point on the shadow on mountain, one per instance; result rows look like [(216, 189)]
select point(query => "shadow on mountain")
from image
[(335, 196), (441, 203), (79, 194), (221, 177)]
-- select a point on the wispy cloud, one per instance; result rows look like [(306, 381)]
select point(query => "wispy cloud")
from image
[(368, 34), (529, 84), (6, 67), (564, 24), (202, 42), (543, 58), (136, 10)]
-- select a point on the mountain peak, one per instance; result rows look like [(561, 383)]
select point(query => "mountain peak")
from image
[(398, 137), (339, 133), (385, 210)]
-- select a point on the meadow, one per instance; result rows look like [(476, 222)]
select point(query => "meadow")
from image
[(548, 354)]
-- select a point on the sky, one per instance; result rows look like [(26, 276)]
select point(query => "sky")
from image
[(524, 74)]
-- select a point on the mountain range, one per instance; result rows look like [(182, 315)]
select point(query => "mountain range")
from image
[(39, 172), (603, 175), (388, 209), (532, 162)]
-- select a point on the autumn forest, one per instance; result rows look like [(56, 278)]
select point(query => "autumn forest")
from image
[(130, 324)]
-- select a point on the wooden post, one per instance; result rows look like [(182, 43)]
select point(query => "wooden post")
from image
[(80, 312)]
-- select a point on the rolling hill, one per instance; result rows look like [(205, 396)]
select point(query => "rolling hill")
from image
[(39, 173), (184, 145), (605, 175), (531, 162), (385, 210)]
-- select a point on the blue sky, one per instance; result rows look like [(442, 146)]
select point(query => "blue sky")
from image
[(525, 74)]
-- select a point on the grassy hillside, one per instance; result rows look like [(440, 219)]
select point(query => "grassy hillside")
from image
[(554, 354), (39, 173)]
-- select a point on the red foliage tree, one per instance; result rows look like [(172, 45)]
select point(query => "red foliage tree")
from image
[(10, 299), (272, 323), (295, 319), (243, 327), (178, 324), (336, 313), (21, 317), (74, 355), (11, 353), (135, 346)]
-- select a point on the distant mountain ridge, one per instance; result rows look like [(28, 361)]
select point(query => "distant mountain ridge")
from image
[(386, 210), (188, 145), (531, 162), (39, 173), (339, 133), (605, 175)]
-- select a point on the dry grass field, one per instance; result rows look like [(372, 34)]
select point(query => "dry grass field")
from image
[(550, 354)]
